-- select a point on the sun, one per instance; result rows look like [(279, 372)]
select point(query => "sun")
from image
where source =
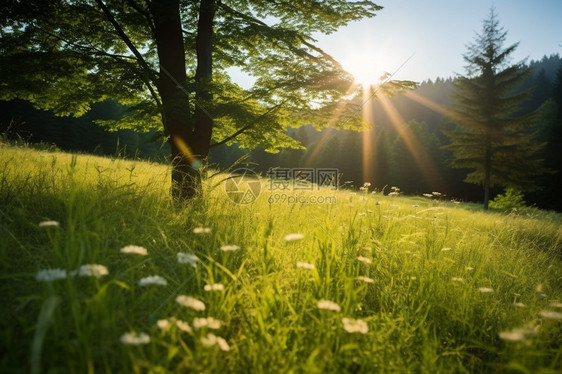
[(365, 68)]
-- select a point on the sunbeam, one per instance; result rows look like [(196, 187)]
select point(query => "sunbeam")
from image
[(419, 155)]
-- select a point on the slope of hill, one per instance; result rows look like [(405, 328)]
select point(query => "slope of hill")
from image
[(101, 272)]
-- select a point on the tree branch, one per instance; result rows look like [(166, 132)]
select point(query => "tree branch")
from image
[(251, 124), (142, 62), (121, 59), (144, 13)]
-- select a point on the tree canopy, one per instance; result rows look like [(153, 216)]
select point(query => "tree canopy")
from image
[(168, 61)]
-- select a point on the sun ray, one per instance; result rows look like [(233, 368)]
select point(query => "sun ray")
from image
[(340, 108), (419, 155)]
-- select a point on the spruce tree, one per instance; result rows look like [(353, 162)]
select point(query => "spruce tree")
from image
[(490, 140)]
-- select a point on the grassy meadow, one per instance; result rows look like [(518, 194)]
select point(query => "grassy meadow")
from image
[(374, 283)]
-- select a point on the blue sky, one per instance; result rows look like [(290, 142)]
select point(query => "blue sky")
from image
[(436, 33)]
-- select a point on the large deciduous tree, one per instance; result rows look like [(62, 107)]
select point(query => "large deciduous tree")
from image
[(490, 139), (168, 61)]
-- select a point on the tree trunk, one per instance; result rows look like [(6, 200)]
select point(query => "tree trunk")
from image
[(188, 139), (203, 75), (487, 172)]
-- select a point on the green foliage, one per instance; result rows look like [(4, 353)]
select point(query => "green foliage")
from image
[(64, 56), (410, 268), (511, 199), (490, 140)]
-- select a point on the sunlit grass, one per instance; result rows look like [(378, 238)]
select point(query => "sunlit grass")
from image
[(368, 283)]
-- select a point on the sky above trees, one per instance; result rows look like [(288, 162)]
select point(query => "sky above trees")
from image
[(435, 33)]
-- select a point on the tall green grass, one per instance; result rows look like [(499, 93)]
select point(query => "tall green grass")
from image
[(421, 264)]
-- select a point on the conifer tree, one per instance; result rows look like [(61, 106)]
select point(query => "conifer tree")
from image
[(497, 146)]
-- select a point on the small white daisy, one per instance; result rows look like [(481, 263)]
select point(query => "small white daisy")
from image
[(366, 260), (365, 279), (293, 237), (212, 339), (202, 230), (550, 315), (134, 249), (163, 324), (512, 336), (187, 258), (328, 305), (49, 224), (92, 270), (486, 290), (305, 265), (214, 287), (153, 280), (184, 326), (49, 275), (457, 279), (190, 302), (132, 338), (355, 325), (208, 322), (231, 247)]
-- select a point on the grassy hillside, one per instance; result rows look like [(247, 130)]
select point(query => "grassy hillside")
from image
[(375, 284)]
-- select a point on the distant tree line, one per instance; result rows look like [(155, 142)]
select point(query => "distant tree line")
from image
[(380, 156)]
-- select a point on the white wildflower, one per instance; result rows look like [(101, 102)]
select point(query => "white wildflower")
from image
[(328, 305), (184, 326), (134, 249), (393, 194), (208, 322), (519, 304), (427, 195), (365, 259), (163, 324), (187, 258), (445, 249), (231, 247), (49, 275), (293, 237), (305, 265), (212, 339), (190, 302), (49, 224), (214, 287), (153, 280), (486, 290), (550, 315), (355, 325), (92, 270), (512, 336), (365, 279), (132, 338), (457, 279), (202, 230)]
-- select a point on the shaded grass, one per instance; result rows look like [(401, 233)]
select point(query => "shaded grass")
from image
[(424, 309)]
